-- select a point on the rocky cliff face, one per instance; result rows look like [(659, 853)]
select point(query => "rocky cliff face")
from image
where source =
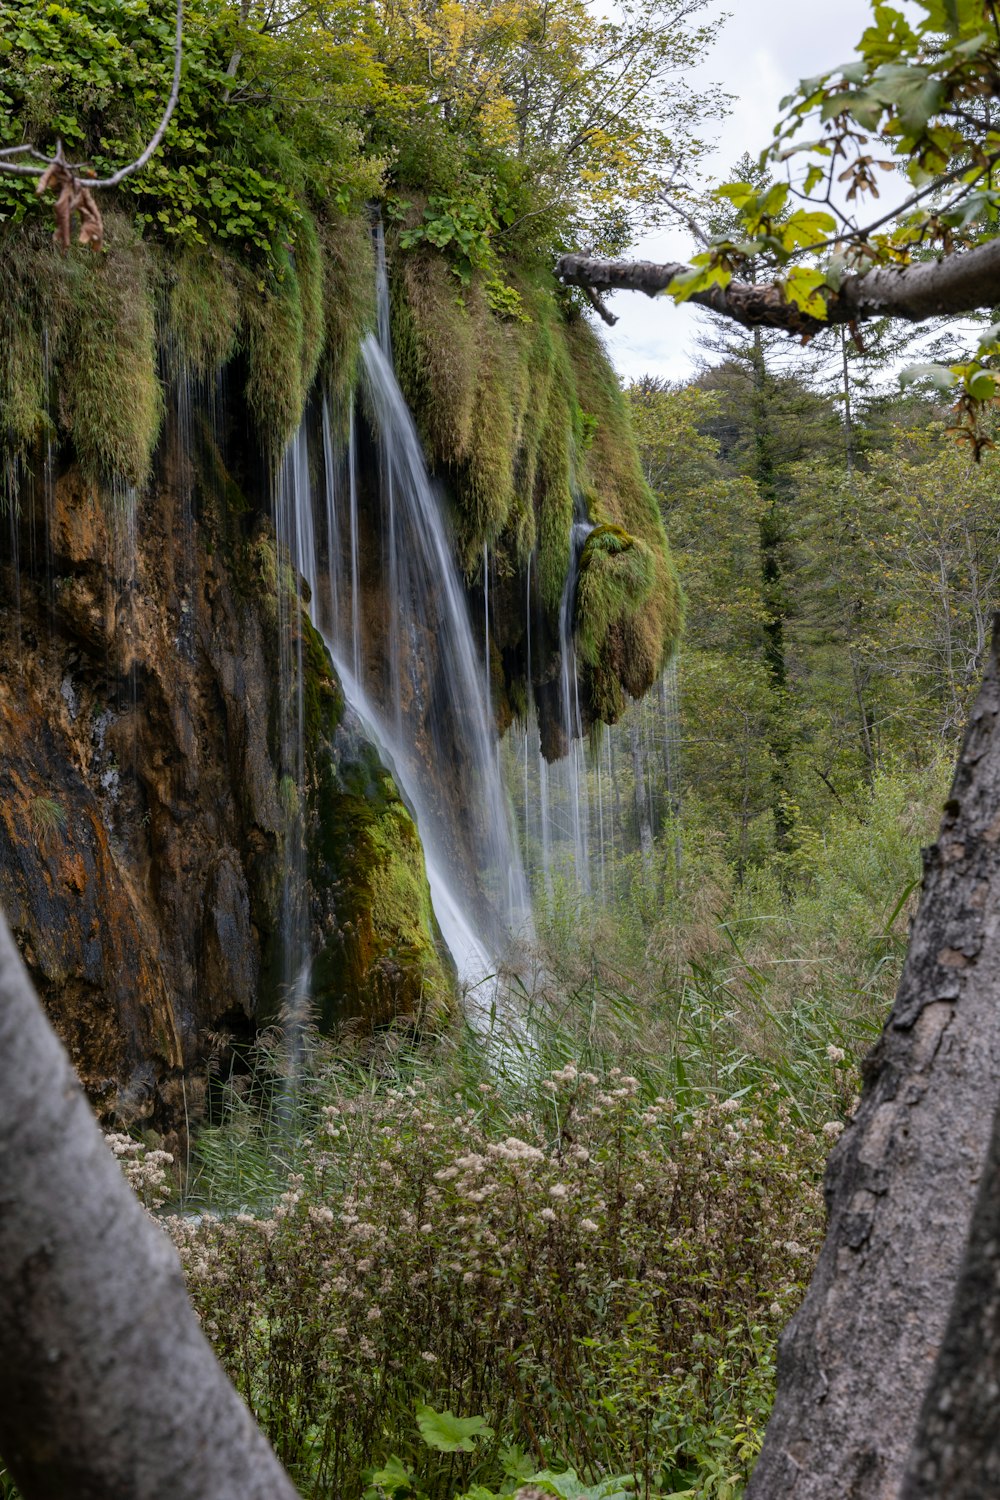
[(144, 820)]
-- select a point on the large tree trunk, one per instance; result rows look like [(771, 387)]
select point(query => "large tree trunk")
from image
[(108, 1388), (957, 1452), (857, 1360)]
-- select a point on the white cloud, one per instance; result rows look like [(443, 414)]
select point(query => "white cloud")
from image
[(761, 52)]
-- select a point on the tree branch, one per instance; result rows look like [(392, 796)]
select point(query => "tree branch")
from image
[(945, 287), (46, 163)]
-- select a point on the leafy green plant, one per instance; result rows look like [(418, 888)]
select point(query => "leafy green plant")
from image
[(446, 1433), (460, 226)]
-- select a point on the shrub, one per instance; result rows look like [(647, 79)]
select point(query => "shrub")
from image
[(596, 1275)]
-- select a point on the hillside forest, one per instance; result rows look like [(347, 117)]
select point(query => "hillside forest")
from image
[(461, 810)]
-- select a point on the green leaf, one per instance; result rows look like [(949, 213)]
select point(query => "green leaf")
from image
[(937, 375), (982, 386), (698, 279), (801, 287), (568, 1487), (804, 229), (914, 94), (739, 194), (394, 1479), (515, 1463), (450, 1434), (814, 176)]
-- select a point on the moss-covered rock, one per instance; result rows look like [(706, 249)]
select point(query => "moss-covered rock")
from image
[(377, 952), (525, 419)]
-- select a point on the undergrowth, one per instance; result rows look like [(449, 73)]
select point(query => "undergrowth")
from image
[(594, 1269), (579, 1240)]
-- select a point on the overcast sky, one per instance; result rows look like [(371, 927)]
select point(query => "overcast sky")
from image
[(761, 52)]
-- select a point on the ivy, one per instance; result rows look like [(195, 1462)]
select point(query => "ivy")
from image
[(235, 162), (460, 227)]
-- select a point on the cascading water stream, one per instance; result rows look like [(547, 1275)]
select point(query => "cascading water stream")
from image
[(576, 825), (425, 707)]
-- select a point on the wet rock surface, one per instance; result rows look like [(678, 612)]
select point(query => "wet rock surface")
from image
[(142, 823)]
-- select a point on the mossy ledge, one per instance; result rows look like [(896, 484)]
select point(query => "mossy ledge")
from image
[(520, 411), (525, 420), (87, 339)]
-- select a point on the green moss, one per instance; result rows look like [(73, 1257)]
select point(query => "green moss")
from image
[(22, 370), (553, 496), (309, 277), (488, 477), (613, 597), (273, 343), (203, 309), (97, 316), (348, 299), (380, 953), (439, 356), (322, 694), (111, 399)]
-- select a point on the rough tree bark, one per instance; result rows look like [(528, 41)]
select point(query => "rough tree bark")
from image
[(957, 1453), (108, 1387), (953, 285), (856, 1362)]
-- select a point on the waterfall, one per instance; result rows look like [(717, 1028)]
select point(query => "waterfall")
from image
[(611, 792), (415, 679), (371, 539)]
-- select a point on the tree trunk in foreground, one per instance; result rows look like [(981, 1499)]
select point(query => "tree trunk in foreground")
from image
[(857, 1362), (957, 1453), (108, 1388)]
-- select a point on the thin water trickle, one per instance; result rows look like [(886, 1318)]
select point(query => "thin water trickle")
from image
[(486, 624), (295, 540), (610, 795), (352, 470)]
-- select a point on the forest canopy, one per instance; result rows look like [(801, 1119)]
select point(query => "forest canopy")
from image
[(526, 126)]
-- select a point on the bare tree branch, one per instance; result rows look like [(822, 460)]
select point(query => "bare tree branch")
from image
[(945, 287), (599, 307)]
